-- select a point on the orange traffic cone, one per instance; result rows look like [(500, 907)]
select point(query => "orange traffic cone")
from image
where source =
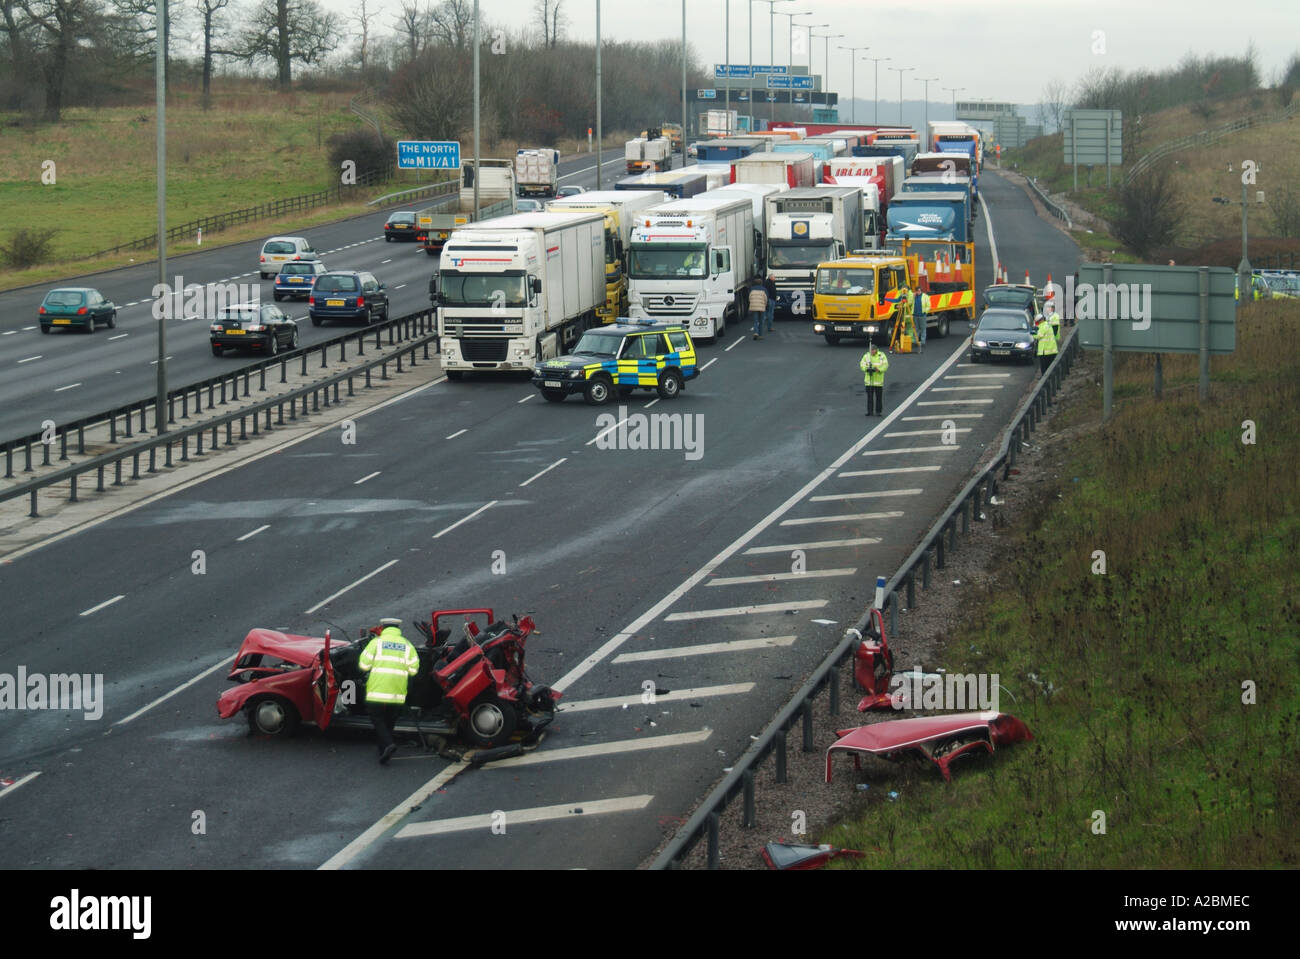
[(957, 270), (923, 281), (1027, 280)]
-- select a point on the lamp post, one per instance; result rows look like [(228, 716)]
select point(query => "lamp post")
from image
[(876, 89), (927, 81), (771, 38), (790, 45), (599, 130), (826, 39), (853, 114), (683, 84), (900, 71), (954, 91), (810, 27)]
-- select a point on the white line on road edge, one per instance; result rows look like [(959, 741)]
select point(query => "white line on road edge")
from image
[(526, 398), (874, 494), (391, 819), (253, 533), (107, 602), (604, 749), (821, 544), (744, 539), (754, 610), (223, 664), (739, 340), (369, 477), (517, 817), (734, 646), (465, 520), (118, 337), (17, 783), (988, 226), (708, 364), (841, 518), (616, 702), (610, 429), (912, 449), (781, 577), (331, 598), (891, 471), (70, 386), (953, 402), (30, 358), (543, 472), (457, 433)]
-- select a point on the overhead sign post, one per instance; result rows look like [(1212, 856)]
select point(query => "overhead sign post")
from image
[(1139, 308), (428, 154), (1093, 137)]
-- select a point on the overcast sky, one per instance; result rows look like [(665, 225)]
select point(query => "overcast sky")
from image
[(995, 49)]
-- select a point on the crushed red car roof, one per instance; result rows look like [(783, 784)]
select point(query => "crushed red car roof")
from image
[(940, 739)]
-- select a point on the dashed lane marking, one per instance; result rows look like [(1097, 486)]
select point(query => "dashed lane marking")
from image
[(519, 817), (705, 649), (753, 610)]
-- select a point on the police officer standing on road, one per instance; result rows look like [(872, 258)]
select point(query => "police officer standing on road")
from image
[(873, 364), (388, 660), (1047, 347), (1054, 318)]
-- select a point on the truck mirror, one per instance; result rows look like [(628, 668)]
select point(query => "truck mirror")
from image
[(535, 284)]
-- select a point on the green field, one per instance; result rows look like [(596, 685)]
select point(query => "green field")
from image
[(1147, 663)]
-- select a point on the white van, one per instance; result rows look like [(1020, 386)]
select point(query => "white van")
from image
[(279, 249)]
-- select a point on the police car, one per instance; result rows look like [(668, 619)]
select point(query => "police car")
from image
[(622, 357)]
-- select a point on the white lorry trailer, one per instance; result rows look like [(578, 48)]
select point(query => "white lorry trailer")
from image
[(519, 289), (806, 227), (692, 261), (620, 209)]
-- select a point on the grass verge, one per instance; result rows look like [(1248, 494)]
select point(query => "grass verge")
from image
[(1141, 699)]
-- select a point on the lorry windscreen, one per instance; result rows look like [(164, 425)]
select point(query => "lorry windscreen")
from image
[(651, 261), (781, 255), (856, 282), (483, 289)]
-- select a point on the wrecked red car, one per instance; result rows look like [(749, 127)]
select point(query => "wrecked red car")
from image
[(475, 687), (936, 739)]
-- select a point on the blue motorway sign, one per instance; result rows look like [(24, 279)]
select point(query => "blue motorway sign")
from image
[(428, 154), (789, 83), (707, 94), (742, 71)]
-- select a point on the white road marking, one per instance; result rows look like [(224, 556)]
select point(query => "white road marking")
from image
[(367, 477), (155, 362), (843, 518), (618, 639), (16, 784), (874, 494), (953, 402), (604, 749), (224, 664), (119, 336), (978, 376), (30, 358), (634, 699), (402, 287), (70, 386), (105, 603), (543, 472), (781, 577), (518, 817), (913, 449), (391, 819), (753, 610), (265, 526), (381, 262), (457, 433), (8, 333), (891, 471), (526, 398), (820, 544), (609, 429), (941, 432), (705, 649), (651, 403), (465, 520), (329, 599), (943, 416), (29, 328), (966, 389), (739, 340), (708, 364)]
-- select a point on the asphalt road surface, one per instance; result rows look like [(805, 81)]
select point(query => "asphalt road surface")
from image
[(641, 567)]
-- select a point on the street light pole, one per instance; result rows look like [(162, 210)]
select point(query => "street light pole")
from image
[(790, 46), (160, 137), (900, 71), (876, 88), (599, 129), (927, 81), (954, 91), (854, 82), (683, 83), (727, 57), (478, 167)]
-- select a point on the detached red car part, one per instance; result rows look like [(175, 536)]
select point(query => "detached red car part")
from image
[(475, 687), (873, 666), (937, 739)]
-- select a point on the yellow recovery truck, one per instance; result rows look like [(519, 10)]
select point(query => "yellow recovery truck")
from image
[(883, 294)]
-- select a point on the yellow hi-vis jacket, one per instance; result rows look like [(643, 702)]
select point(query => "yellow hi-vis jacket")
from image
[(388, 660), (874, 367), (1046, 339), (1055, 320)]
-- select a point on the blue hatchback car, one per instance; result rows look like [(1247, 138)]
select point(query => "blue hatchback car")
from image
[(347, 295), (296, 279)]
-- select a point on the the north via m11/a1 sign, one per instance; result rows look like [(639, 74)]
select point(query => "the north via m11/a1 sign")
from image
[(428, 154)]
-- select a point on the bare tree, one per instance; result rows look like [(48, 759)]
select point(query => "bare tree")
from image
[(61, 26), (1055, 102), (418, 98), (412, 28), (1150, 212), (362, 17), (550, 15), (210, 14), (451, 23), (283, 31), (1284, 206)]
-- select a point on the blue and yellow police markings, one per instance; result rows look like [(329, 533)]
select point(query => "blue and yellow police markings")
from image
[(644, 371)]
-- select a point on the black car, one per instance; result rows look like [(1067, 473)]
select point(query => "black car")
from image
[(347, 295), (1014, 296), (1003, 332), (250, 327), (400, 226)]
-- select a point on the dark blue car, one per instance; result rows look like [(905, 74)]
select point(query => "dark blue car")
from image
[(347, 295)]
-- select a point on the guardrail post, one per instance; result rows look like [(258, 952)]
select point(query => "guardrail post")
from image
[(713, 840), (144, 425), (392, 332), (965, 516), (63, 443), (367, 378), (32, 511), (893, 611), (910, 581), (293, 410), (747, 778), (216, 440), (256, 417), (185, 405), (169, 454), (261, 386), (185, 448), (379, 344), (223, 391), (833, 702), (925, 570), (399, 361), (247, 388), (279, 419), (268, 419), (336, 392), (806, 715), (230, 432), (324, 356), (153, 466), (383, 370), (117, 472), (198, 443), (9, 461), (304, 362), (99, 486), (350, 392), (780, 757), (284, 371), (326, 400), (135, 466), (243, 427), (361, 344), (315, 401), (28, 467), (343, 350), (81, 439), (72, 494), (171, 409), (45, 455), (938, 551), (112, 426)]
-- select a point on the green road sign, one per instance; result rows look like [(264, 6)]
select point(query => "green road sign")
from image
[(1155, 309)]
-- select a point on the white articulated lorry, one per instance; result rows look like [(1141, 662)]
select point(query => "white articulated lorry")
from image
[(805, 227), (519, 289), (692, 261)]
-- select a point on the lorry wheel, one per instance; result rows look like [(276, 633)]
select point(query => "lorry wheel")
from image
[(670, 385), (455, 374), (832, 339), (428, 251), (491, 721), (272, 716), (553, 396), (598, 390)]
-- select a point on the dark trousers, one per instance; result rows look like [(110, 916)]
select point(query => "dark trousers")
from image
[(1044, 361), (384, 718), (875, 400)]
